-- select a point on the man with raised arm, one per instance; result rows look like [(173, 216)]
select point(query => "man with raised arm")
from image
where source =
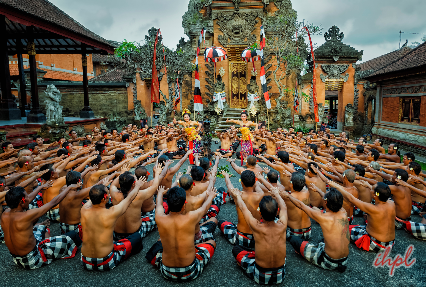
[(131, 222), (99, 251), (251, 165), (168, 173), (281, 167), (242, 234), (379, 233), (176, 254), (332, 254), (30, 245), (266, 265)]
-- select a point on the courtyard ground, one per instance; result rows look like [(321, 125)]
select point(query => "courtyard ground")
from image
[(223, 270)]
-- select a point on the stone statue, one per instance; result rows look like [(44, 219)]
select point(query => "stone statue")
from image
[(140, 113), (53, 108), (320, 112), (253, 95), (349, 115)]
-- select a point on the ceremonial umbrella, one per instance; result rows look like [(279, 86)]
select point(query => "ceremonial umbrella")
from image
[(215, 54), (251, 55)]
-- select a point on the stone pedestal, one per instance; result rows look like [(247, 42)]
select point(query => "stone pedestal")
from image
[(35, 117), (87, 114)]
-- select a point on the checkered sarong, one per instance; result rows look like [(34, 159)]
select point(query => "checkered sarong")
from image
[(366, 242), (234, 236), (263, 276), (46, 250), (65, 228), (122, 250), (148, 224), (418, 230), (399, 224), (417, 207), (1, 235), (215, 207), (316, 255), (53, 215), (304, 233), (203, 254), (358, 212), (37, 202), (205, 233)]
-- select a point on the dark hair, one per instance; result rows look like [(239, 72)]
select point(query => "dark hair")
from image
[(359, 169), (2, 180), (360, 148), (100, 147), (119, 156), (105, 133), (186, 182), (380, 142), (402, 173), (36, 137), (96, 161), (396, 147), (339, 155), (126, 181), (141, 171), (375, 153), (311, 156), (31, 146), (48, 174), (268, 208), (162, 159), (383, 190), (125, 138), (244, 113), (72, 177), (272, 176), (314, 148), (248, 178), (23, 160), (5, 144), (251, 160), (197, 173), (325, 142), (334, 199), (86, 143), (283, 156), (176, 197), (65, 145), (310, 164), (14, 196), (298, 181), (97, 193), (342, 149), (417, 168), (410, 156), (61, 152), (205, 163), (71, 132)]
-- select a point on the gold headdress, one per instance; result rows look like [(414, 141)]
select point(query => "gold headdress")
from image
[(186, 111)]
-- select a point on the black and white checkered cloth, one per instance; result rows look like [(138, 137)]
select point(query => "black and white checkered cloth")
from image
[(304, 233), (65, 228), (122, 250), (1, 235), (316, 255), (53, 215), (262, 276), (203, 254), (236, 237), (359, 235), (37, 202), (418, 230), (46, 250), (148, 223), (205, 233), (417, 207), (215, 207)]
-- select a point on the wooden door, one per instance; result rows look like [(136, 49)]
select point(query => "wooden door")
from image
[(238, 85)]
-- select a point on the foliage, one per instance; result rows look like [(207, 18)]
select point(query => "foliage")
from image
[(223, 168), (125, 49)]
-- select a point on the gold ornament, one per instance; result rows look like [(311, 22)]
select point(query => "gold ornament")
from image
[(185, 111)]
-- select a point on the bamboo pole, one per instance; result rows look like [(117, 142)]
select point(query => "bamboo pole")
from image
[(152, 112)]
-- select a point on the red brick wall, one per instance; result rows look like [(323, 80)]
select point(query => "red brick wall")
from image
[(390, 111)]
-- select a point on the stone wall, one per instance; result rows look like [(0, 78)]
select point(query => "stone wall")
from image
[(103, 100)]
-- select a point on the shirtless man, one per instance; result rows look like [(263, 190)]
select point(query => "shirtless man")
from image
[(379, 233), (162, 141), (225, 145), (242, 234), (332, 254), (312, 177), (281, 167), (271, 143), (270, 236), (131, 222), (418, 201), (170, 172), (176, 254), (251, 165), (27, 242), (99, 251), (393, 154), (378, 145), (173, 150)]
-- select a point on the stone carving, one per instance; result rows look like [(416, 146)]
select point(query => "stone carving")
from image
[(334, 72), (349, 115), (237, 28), (193, 21), (103, 126), (79, 130), (53, 108), (222, 72), (321, 111), (236, 4), (398, 135), (335, 49), (405, 90)]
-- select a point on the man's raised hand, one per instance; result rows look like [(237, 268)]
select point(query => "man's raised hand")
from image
[(158, 168), (47, 185), (224, 173), (162, 190), (125, 167)]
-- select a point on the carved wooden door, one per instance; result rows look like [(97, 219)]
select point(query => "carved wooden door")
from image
[(238, 85)]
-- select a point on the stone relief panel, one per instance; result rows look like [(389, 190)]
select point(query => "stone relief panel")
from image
[(237, 28), (334, 72)]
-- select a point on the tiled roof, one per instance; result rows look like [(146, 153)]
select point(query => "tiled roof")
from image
[(63, 76), (109, 59), (413, 59), (47, 11), (113, 76), (384, 60)]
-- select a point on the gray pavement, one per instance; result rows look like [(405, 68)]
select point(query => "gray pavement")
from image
[(222, 270)]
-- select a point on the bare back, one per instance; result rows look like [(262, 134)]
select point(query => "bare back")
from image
[(381, 224), (270, 247), (335, 228), (252, 200)]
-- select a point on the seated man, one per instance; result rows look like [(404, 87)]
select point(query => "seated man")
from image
[(266, 265), (332, 254), (176, 255), (31, 245), (379, 233), (131, 222), (242, 234), (99, 251)]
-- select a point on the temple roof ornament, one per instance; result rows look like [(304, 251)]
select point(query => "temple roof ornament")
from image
[(334, 49)]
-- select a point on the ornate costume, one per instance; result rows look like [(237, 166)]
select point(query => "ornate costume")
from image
[(194, 139), (246, 143)]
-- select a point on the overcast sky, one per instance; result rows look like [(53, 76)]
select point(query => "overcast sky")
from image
[(369, 25)]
